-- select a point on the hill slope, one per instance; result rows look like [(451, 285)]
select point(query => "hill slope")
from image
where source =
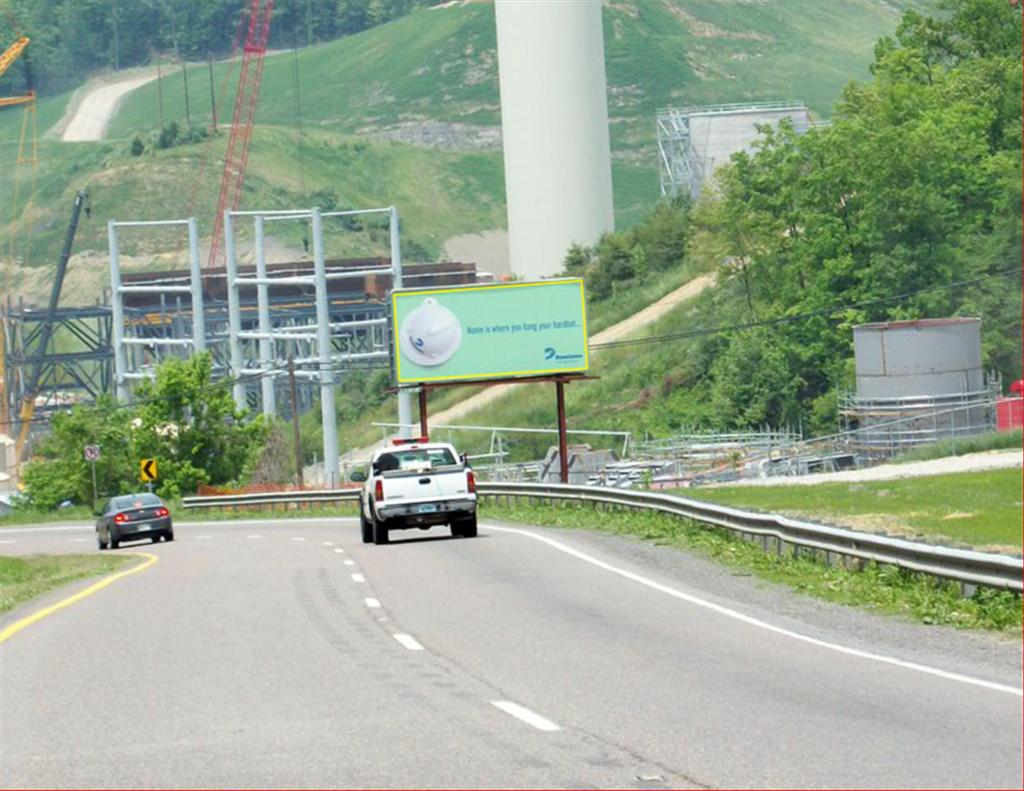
[(367, 101), (441, 65)]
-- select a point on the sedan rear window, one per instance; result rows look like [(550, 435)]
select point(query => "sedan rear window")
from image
[(136, 501)]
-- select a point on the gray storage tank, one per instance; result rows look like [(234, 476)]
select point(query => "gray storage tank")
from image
[(917, 382), (925, 357)]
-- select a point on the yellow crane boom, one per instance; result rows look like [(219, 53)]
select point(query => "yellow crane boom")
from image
[(12, 52), (6, 59)]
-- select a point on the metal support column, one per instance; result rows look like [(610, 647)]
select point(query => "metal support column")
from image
[(196, 270), (404, 398), (263, 306), (234, 312), (323, 338), (117, 315)]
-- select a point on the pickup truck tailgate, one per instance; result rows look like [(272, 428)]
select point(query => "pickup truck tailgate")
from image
[(424, 486)]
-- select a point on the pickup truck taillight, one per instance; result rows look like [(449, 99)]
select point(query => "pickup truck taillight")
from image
[(470, 482), (378, 491)]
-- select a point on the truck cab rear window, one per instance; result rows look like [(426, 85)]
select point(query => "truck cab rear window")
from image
[(419, 459)]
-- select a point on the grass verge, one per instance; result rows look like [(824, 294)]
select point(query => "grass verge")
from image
[(992, 440), (884, 589), (25, 578), (980, 509)]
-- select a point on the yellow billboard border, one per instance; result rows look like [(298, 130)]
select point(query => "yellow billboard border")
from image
[(488, 287)]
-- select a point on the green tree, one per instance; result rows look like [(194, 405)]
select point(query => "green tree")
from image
[(191, 425)]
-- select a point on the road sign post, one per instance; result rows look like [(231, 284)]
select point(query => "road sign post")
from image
[(92, 455), (147, 472)]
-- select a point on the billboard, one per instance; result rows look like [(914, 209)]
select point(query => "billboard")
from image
[(489, 331)]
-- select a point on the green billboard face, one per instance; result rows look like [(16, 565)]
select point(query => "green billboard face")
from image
[(489, 332)]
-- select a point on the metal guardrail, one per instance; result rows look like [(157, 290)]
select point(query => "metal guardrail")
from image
[(774, 532)]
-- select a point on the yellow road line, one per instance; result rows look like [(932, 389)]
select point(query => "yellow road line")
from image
[(27, 621)]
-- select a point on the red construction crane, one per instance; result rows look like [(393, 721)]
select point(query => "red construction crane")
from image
[(232, 181)]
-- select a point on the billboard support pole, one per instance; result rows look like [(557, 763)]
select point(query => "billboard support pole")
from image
[(563, 445), (423, 412)]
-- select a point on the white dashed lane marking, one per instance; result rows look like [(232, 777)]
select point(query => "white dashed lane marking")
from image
[(408, 641), (358, 578), (254, 536), (328, 543), (372, 603), (524, 714), (349, 562), (298, 538), (340, 551)]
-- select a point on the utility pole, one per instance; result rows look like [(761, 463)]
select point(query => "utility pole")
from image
[(117, 46), (160, 92), (184, 72), (213, 96), (295, 419)]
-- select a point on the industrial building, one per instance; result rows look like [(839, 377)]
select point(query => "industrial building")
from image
[(694, 141)]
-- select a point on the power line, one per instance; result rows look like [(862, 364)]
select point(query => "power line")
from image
[(704, 331)]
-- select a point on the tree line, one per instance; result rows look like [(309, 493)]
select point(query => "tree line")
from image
[(915, 185), (72, 39)]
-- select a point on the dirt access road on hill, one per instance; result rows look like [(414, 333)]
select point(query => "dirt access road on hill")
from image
[(89, 114)]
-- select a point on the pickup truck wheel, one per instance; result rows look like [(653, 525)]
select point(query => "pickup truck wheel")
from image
[(465, 527), (367, 529), (380, 531)]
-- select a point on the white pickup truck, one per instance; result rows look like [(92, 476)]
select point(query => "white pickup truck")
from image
[(417, 483)]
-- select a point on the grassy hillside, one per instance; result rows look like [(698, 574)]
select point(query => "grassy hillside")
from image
[(441, 65), (360, 93), (439, 194)]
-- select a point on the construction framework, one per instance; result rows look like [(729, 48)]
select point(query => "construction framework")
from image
[(65, 377)]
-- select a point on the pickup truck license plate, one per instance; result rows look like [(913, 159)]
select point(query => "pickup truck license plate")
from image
[(427, 508)]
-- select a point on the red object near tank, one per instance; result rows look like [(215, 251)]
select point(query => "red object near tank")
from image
[(1018, 387), (1009, 413)]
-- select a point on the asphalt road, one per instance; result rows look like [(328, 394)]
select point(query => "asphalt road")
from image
[(289, 654)]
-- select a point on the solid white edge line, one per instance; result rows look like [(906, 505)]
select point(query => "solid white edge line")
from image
[(524, 714), (757, 622), (408, 641), (373, 604), (358, 578)]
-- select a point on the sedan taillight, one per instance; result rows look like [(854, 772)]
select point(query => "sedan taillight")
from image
[(119, 518), (162, 512)]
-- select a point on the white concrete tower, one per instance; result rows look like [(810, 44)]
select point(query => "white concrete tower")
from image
[(554, 122)]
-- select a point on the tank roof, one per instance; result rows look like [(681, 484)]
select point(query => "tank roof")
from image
[(916, 323)]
